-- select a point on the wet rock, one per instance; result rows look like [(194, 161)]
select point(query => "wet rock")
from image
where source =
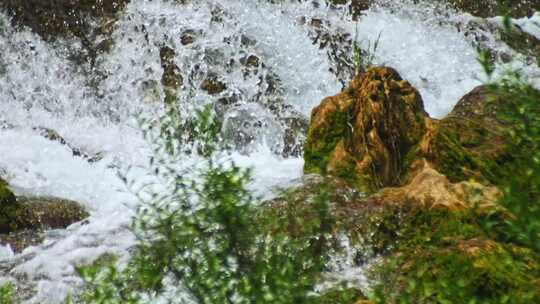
[(172, 78), (364, 133), (491, 8), (212, 85), (20, 240), (55, 18), (251, 61), (522, 42), (86, 20), (355, 6), (23, 219), (338, 44), (515, 38), (471, 142), (39, 213), (188, 37), (295, 132), (55, 136)]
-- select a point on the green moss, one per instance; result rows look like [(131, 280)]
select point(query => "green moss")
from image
[(322, 141), (339, 296), (452, 159), (6, 196), (446, 257), (465, 149), (7, 293)]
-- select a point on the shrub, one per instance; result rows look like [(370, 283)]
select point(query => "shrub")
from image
[(201, 229), (7, 293)]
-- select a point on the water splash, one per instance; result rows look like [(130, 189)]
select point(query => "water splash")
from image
[(264, 54)]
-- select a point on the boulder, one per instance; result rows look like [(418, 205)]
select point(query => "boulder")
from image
[(23, 219), (364, 133), (471, 142), (376, 134), (39, 213), (57, 18)]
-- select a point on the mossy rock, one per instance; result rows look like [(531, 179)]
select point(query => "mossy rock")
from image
[(492, 8), (60, 18), (376, 133), (446, 256), (296, 206), (7, 197), (471, 142), (351, 213), (364, 133), (39, 213)]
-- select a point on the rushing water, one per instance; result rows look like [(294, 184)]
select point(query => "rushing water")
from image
[(40, 86)]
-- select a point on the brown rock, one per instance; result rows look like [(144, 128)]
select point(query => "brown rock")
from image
[(212, 85), (491, 8), (434, 190), (364, 133), (172, 78), (20, 240), (187, 38), (38, 213)]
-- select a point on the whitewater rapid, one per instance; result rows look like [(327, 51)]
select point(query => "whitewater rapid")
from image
[(39, 86)]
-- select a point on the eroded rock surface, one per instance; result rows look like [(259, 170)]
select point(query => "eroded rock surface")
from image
[(376, 134), (364, 133)]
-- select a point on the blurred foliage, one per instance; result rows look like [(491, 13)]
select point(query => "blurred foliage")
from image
[(203, 232), (7, 294)]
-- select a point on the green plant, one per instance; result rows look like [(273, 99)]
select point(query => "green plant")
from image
[(364, 59), (521, 186), (201, 229), (7, 293), (443, 256)]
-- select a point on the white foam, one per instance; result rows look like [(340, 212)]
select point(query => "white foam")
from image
[(39, 87)]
